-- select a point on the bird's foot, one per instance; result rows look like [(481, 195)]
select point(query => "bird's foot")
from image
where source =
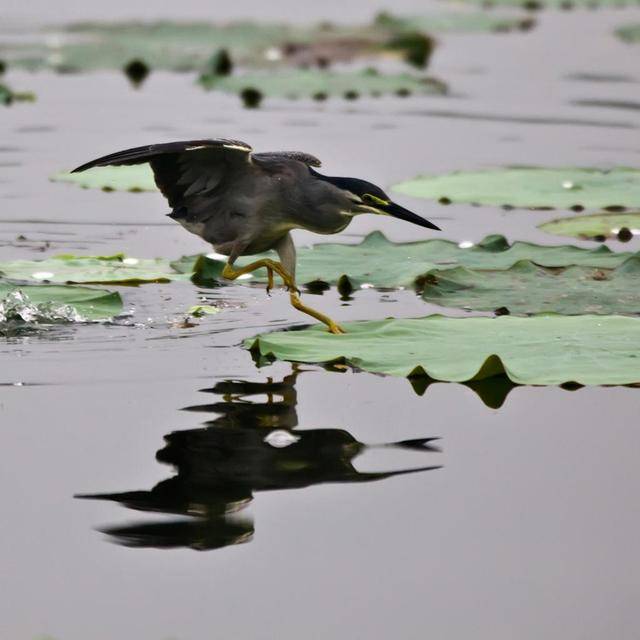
[(336, 329)]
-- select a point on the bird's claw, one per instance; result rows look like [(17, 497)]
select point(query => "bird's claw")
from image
[(336, 329)]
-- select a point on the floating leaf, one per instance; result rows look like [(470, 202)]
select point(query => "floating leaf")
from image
[(377, 262), (455, 22), (53, 303), (188, 46), (526, 288), (8, 97), (599, 226), (134, 178), (532, 187), (199, 310), (629, 33), (90, 269), (545, 350), (536, 5), (307, 83)]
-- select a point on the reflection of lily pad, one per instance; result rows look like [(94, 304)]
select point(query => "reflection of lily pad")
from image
[(90, 269), (53, 303), (532, 187), (596, 227), (134, 178), (538, 350), (307, 83), (377, 262), (526, 288)]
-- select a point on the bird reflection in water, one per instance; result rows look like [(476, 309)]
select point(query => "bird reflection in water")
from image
[(250, 446)]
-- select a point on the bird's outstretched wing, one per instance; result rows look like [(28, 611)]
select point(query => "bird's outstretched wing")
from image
[(300, 156), (186, 168)]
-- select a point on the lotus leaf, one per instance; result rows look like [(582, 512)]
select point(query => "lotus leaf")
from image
[(134, 178), (54, 303), (596, 227), (534, 5), (532, 187), (526, 288), (308, 83), (377, 262), (90, 269), (543, 350), (629, 33)]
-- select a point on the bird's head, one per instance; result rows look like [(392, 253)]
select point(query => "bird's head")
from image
[(366, 197)]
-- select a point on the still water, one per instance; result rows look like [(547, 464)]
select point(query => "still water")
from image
[(156, 483)]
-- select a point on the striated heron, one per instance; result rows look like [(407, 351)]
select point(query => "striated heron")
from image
[(245, 203)]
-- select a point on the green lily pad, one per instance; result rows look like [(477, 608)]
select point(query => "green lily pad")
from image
[(532, 187), (91, 269), (526, 288), (8, 96), (596, 227), (543, 350), (53, 303), (199, 310), (629, 33), (377, 262), (455, 22), (535, 5), (308, 83), (135, 178)]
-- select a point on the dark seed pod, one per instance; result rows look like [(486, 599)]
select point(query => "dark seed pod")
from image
[(403, 92), (137, 71), (220, 63), (502, 311), (351, 95), (320, 96), (599, 238), (624, 235), (251, 97), (444, 200)]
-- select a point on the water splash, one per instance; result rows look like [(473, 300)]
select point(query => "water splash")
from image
[(16, 307)]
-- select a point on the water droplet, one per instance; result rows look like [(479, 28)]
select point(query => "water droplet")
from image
[(465, 244), (130, 261), (42, 275)]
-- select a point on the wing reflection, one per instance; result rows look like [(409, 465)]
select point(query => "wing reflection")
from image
[(251, 446)]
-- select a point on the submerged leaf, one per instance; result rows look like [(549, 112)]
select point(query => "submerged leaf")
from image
[(134, 178), (547, 350), (532, 187), (527, 288), (90, 269), (306, 83), (52, 303), (600, 226)]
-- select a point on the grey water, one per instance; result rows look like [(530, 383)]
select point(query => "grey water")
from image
[(145, 490)]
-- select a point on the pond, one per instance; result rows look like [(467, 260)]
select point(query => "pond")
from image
[(158, 483)]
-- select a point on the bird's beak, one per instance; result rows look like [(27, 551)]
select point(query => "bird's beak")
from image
[(395, 210)]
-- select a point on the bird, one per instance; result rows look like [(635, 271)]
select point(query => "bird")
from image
[(245, 203)]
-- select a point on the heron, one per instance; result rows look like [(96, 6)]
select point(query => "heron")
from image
[(245, 203)]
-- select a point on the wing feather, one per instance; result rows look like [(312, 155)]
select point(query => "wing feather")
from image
[(184, 169)]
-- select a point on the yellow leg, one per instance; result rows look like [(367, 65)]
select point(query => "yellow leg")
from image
[(231, 273)]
